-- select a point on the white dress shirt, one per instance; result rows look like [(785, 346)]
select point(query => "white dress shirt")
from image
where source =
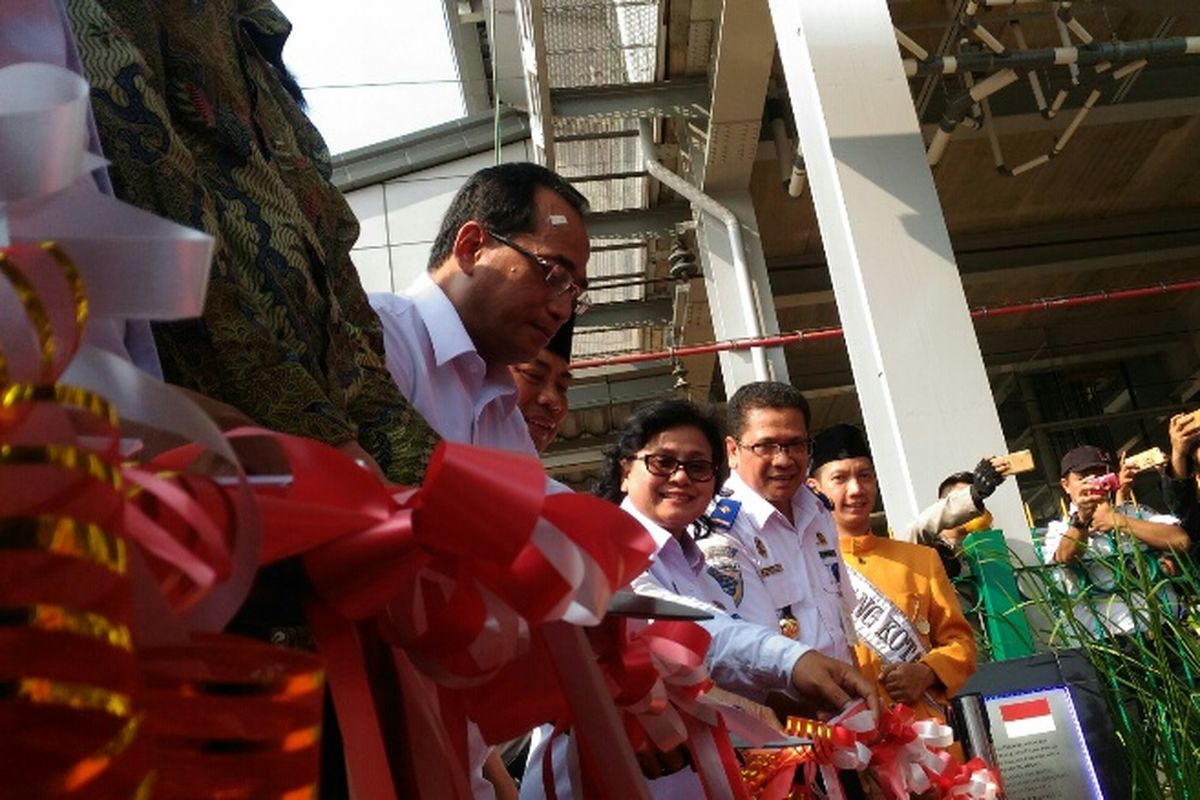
[(439, 371), (800, 564)]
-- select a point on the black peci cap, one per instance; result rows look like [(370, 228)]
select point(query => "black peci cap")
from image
[(838, 442), (560, 343)]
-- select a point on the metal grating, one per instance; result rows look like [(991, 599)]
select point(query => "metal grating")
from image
[(611, 264), (588, 126), (603, 43), (596, 43)]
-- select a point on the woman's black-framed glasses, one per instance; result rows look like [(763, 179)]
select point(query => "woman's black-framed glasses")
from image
[(664, 466), (558, 277)]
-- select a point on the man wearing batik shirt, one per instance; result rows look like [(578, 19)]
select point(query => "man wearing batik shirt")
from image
[(913, 639), (1095, 536)]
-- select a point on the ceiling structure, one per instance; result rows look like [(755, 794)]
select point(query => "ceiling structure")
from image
[(1118, 207)]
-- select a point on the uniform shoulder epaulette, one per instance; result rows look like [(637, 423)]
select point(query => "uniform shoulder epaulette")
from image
[(825, 501), (724, 511)]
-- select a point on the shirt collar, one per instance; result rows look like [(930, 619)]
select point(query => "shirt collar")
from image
[(446, 331), (760, 509), (753, 503), (856, 545), (451, 341), (662, 537)]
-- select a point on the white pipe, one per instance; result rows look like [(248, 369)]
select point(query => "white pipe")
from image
[(741, 268), (1131, 67), (989, 127), (985, 88), (1081, 32), (908, 44), (1030, 164), (1062, 140), (783, 148), (985, 36), (1035, 84), (1065, 36), (937, 147), (1057, 105), (992, 84), (798, 180)]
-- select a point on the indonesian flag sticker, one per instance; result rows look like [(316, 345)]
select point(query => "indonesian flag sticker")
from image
[(1027, 718)]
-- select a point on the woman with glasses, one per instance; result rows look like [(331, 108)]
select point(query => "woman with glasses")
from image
[(664, 470)]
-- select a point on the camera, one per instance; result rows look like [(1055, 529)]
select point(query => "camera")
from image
[(1108, 482)]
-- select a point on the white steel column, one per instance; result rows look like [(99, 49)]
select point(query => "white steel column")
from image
[(917, 367)]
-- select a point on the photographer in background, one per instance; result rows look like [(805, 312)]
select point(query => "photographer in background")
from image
[(1180, 486), (1095, 530)]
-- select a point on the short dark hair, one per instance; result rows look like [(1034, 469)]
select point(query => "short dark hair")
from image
[(763, 394), (952, 480), (646, 423), (501, 199)]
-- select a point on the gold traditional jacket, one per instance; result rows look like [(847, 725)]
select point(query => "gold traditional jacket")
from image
[(912, 577)]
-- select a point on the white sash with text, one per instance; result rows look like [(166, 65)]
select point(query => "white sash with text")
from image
[(882, 625)]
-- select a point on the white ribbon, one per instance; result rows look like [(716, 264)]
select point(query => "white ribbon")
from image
[(980, 787), (43, 128), (135, 265)]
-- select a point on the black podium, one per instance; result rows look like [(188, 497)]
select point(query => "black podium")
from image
[(1044, 721)]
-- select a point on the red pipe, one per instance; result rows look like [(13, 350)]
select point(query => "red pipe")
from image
[(777, 340)]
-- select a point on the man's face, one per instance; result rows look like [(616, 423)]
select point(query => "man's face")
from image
[(1076, 483), (510, 311), (777, 477), (851, 485), (542, 395)]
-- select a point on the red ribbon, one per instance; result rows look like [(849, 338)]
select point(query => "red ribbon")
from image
[(232, 717), (457, 575), (907, 755)]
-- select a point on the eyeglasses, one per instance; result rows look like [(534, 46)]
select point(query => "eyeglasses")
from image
[(697, 469), (558, 277), (772, 449)]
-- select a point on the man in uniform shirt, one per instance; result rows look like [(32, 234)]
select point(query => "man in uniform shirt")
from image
[(913, 639), (778, 530)]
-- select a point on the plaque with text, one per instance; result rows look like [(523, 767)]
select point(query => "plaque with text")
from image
[(1039, 746)]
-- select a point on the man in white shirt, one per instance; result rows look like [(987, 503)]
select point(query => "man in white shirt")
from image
[(507, 269)]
